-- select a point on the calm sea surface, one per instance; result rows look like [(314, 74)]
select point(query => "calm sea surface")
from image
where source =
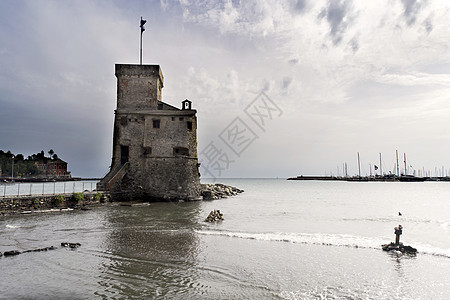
[(279, 240)]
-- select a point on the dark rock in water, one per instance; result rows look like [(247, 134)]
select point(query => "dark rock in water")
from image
[(399, 247), (408, 249), (11, 253), (40, 249), (207, 194), (214, 216), (71, 245)]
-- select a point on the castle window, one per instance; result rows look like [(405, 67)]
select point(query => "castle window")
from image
[(180, 151), (189, 125), (156, 123), (173, 118), (146, 151), (160, 106), (181, 118)]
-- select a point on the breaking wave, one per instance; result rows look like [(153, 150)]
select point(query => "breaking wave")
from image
[(337, 240), (343, 240)]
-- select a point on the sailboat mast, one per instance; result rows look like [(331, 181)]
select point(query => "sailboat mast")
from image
[(404, 157), (381, 166), (359, 167), (396, 154)]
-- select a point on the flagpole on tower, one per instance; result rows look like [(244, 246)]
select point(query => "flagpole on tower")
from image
[(142, 31)]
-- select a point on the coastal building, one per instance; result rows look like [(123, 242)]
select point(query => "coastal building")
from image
[(53, 168), (154, 143)]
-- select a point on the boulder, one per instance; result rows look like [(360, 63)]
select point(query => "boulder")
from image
[(214, 216), (11, 253), (399, 247), (71, 245)]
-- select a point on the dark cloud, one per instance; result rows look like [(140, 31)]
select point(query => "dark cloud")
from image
[(286, 83), (236, 3), (298, 6), (337, 16), (412, 9), (428, 25), (265, 85), (293, 61), (75, 135), (354, 44)]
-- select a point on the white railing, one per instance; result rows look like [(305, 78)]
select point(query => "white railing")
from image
[(18, 189)]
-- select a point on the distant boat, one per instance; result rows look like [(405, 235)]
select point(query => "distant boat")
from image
[(357, 178), (410, 178)]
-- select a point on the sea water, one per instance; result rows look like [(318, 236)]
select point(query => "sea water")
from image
[(280, 240)]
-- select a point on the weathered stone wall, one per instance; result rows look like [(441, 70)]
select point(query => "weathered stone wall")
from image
[(138, 86), (173, 132), (40, 203)]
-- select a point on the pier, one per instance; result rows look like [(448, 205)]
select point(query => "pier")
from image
[(394, 178)]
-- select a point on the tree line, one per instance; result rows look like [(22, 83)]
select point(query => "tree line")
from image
[(23, 166)]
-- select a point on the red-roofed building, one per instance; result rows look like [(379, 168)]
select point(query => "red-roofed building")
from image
[(55, 168)]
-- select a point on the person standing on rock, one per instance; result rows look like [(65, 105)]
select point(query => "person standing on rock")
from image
[(398, 231)]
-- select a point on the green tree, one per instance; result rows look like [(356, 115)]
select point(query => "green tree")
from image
[(41, 156)]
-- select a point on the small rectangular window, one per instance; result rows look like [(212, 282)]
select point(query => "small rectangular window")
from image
[(156, 123), (180, 151), (189, 125), (123, 121), (160, 106), (147, 151), (181, 118)]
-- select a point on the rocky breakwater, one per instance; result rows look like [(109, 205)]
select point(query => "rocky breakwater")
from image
[(218, 191)]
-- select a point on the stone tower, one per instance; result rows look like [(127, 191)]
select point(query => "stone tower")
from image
[(154, 144)]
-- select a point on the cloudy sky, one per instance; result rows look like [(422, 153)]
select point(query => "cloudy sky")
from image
[(340, 76)]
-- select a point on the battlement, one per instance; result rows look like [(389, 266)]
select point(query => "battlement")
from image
[(138, 86)]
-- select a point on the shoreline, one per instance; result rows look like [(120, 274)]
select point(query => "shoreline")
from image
[(32, 204), (9, 180)]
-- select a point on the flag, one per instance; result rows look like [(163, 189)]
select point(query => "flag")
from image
[(142, 25)]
